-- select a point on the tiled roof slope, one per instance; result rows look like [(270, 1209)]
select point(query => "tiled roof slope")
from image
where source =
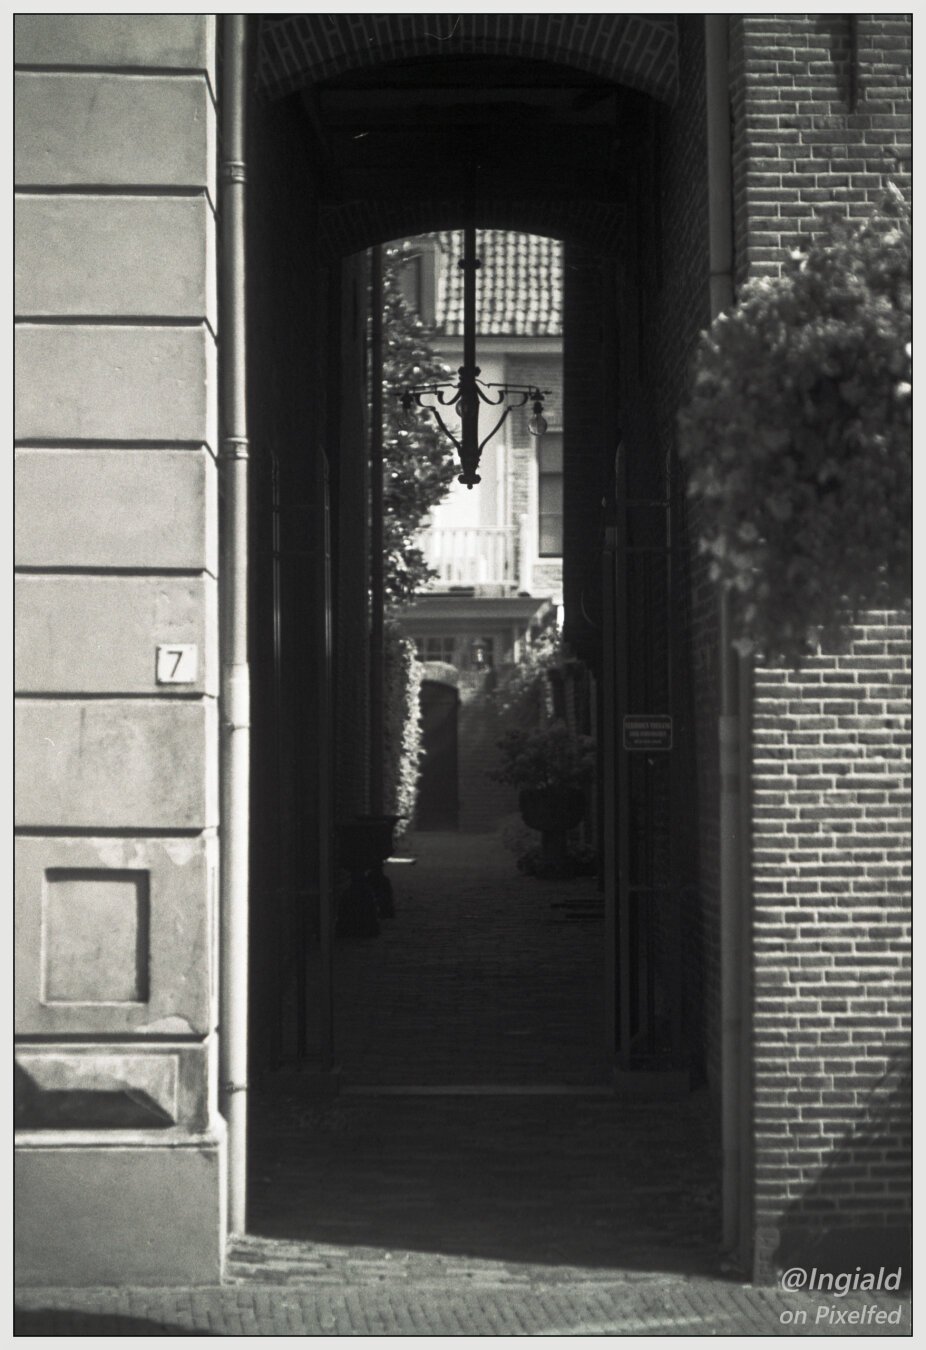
[(519, 287)]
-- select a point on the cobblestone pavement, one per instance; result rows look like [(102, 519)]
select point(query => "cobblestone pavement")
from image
[(472, 1177), (645, 1305)]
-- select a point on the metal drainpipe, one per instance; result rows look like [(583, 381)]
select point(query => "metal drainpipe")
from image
[(235, 688), (719, 165)]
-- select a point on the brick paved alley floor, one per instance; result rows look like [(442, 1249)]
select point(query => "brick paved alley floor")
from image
[(646, 1305), (497, 1188), (481, 1006), (484, 976)]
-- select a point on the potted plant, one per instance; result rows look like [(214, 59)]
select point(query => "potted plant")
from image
[(550, 768)]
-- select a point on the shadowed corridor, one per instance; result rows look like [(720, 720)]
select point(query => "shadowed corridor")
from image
[(473, 1123)]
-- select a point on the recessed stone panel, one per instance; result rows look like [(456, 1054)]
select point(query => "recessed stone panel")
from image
[(116, 508), (95, 936), (123, 256), (94, 130), (100, 635), (151, 972), (115, 383), (177, 41), (131, 764), (96, 1089)]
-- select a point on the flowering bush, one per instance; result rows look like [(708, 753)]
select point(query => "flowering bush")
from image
[(402, 729), (798, 437), (550, 757)]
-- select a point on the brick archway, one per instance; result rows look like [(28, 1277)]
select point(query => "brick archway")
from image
[(354, 226), (640, 51)]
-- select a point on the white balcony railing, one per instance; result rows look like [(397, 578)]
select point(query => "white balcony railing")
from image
[(470, 556)]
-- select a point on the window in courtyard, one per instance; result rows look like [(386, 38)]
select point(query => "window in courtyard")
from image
[(550, 495), (438, 648), (417, 269)]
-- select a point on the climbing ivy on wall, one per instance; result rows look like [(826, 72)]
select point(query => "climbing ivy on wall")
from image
[(797, 434), (402, 724)]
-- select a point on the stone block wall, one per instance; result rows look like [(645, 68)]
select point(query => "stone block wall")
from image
[(117, 662)]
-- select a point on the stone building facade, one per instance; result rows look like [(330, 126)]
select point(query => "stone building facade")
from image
[(791, 948)]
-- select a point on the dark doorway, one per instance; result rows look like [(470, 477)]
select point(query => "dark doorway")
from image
[(483, 984), (438, 796)]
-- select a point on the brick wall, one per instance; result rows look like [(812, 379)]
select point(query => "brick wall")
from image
[(821, 106), (831, 822), (822, 112), (352, 226)]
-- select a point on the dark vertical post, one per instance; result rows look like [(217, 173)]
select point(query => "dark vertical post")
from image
[(377, 585), (469, 402), (608, 732), (621, 698), (327, 899), (469, 299)]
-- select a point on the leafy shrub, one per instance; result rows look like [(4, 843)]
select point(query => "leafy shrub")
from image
[(522, 694), (402, 724), (418, 465), (798, 437), (548, 757)]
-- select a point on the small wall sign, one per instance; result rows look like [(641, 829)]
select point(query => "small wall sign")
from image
[(177, 663), (648, 731)]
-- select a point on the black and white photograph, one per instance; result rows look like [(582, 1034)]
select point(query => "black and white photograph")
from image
[(463, 521)]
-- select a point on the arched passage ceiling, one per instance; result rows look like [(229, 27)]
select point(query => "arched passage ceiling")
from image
[(637, 50), (402, 146)]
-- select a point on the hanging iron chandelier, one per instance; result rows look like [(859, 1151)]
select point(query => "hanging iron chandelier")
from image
[(466, 395)]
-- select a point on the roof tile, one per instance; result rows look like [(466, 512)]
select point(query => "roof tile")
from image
[(519, 288)]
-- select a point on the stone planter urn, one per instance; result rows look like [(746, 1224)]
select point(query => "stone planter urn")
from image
[(554, 811)]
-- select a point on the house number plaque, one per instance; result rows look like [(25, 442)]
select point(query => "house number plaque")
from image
[(177, 663)]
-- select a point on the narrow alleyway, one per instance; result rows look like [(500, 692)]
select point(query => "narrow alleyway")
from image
[(474, 1123)]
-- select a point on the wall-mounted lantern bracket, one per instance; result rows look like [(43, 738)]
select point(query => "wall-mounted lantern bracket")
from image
[(469, 391)]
